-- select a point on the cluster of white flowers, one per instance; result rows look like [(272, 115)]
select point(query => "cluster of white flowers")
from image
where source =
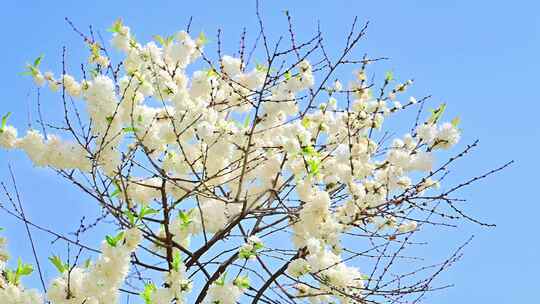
[(328, 266), (250, 248), (408, 227), (11, 289), (210, 216), (4, 255), (8, 137), (47, 152), (444, 137), (98, 282), (298, 268), (227, 292), (13, 294), (177, 285), (198, 143)]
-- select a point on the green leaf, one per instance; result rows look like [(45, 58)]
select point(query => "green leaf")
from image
[(288, 75), (389, 76), (177, 261), (185, 217), (313, 166), (87, 263), (131, 217), (246, 254), (149, 288), (222, 279), (23, 269), (11, 277), (258, 246), (455, 122), (109, 119), (57, 262), (37, 61), (163, 41), (202, 40), (437, 114), (115, 192), (4, 121), (113, 240), (241, 282), (246, 121), (309, 151), (31, 70), (261, 68), (116, 27), (211, 73), (159, 39), (110, 240), (129, 129), (145, 210), (305, 122)]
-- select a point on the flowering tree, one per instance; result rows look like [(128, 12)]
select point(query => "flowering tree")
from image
[(266, 183)]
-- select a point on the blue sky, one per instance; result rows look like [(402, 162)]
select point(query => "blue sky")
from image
[(481, 57)]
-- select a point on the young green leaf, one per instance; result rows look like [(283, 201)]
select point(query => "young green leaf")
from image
[(37, 61), (309, 151), (305, 122), (389, 76), (261, 68), (258, 246), (11, 276), (4, 121), (211, 73), (116, 27), (26, 73), (57, 262), (436, 114), (160, 39), (202, 40), (222, 279), (246, 253), (145, 210), (115, 192), (241, 282), (455, 122), (185, 217), (24, 269), (246, 121), (131, 217), (313, 166), (288, 75), (149, 288), (113, 240), (177, 261), (129, 129)]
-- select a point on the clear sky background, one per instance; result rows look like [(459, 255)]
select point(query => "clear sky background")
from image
[(479, 56)]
